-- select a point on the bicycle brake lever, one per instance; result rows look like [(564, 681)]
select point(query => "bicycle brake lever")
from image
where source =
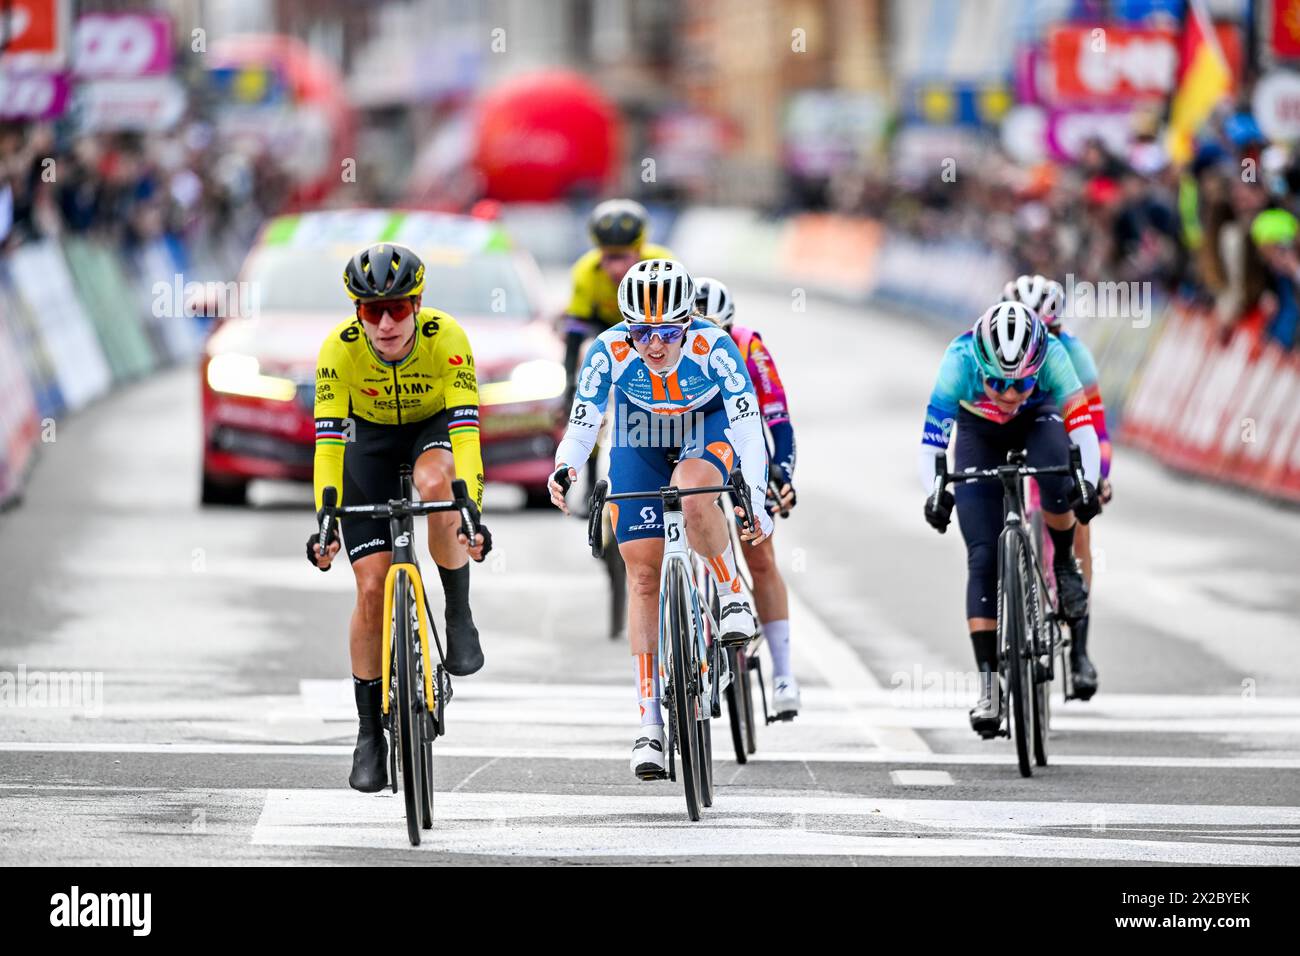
[(460, 494), (1076, 469), (940, 479)]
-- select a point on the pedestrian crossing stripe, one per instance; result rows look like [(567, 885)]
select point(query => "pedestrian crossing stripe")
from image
[(655, 826)]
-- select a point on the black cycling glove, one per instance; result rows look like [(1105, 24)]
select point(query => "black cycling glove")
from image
[(311, 548), (939, 517), (1086, 511), (774, 499)]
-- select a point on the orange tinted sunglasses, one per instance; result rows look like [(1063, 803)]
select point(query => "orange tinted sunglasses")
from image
[(373, 312)]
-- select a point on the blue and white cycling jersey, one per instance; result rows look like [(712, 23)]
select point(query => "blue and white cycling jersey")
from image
[(710, 375)]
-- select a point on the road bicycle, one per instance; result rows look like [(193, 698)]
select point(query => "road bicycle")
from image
[(1029, 632), (414, 706), (689, 662), (744, 663), (1046, 551)]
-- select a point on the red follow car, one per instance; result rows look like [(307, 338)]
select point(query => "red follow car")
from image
[(259, 364)]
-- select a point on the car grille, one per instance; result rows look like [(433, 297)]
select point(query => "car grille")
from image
[(238, 441), (518, 449)]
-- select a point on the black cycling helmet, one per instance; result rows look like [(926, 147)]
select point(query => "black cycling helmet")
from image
[(618, 222), (383, 271)]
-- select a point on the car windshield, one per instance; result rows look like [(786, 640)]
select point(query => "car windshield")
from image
[(302, 280)]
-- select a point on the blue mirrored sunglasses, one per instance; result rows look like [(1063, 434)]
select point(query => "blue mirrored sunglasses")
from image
[(667, 333), (1001, 385)]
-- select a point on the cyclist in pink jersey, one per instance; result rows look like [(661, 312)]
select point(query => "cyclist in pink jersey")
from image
[(714, 302)]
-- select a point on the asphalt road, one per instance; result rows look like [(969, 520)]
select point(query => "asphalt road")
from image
[(213, 720)]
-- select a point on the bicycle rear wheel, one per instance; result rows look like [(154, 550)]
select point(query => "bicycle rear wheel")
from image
[(617, 572), (407, 722), (1016, 660), (683, 691), (739, 704), (706, 761)]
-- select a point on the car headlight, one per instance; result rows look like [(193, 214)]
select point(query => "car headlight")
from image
[(237, 374), (532, 381)]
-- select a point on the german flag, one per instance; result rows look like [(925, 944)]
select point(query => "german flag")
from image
[(1205, 80)]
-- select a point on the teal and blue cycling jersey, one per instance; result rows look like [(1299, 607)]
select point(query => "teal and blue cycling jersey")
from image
[(960, 384)]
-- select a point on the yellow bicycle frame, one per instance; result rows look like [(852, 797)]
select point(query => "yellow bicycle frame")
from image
[(386, 660)]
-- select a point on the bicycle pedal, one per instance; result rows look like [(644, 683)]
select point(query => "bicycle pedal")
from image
[(652, 775)]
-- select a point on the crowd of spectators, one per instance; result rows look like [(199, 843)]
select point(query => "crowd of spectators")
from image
[(1221, 231), (132, 189)]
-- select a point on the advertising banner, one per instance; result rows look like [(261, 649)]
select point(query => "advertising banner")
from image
[(117, 45), (42, 280)]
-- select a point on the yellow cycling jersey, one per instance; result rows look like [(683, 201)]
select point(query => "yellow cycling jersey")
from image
[(595, 294), (438, 375)]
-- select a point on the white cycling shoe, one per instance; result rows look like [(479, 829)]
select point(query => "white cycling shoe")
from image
[(736, 621), (648, 753), (785, 696)]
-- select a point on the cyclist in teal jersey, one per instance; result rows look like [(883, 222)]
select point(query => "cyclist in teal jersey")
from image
[(1047, 298)]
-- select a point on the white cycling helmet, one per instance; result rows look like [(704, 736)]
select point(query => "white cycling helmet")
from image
[(656, 291), (713, 301), (1010, 341), (1045, 296)]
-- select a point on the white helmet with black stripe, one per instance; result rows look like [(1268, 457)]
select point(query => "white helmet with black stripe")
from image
[(1010, 341), (655, 291), (1045, 296), (713, 301)]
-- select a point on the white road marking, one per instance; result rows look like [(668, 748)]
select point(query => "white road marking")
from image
[(1003, 757), (921, 778), (846, 675), (522, 824), (839, 714)]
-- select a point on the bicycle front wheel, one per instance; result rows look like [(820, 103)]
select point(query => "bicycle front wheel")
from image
[(407, 722), (1041, 647), (684, 690), (1016, 661)]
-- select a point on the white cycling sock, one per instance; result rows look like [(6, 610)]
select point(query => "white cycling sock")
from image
[(778, 642), (647, 683), (723, 569)]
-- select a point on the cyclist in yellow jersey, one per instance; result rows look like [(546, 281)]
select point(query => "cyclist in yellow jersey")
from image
[(395, 385)]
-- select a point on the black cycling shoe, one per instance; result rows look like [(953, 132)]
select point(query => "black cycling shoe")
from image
[(1071, 590), (1081, 669), (464, 655), (986, 715), (369, 762)]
